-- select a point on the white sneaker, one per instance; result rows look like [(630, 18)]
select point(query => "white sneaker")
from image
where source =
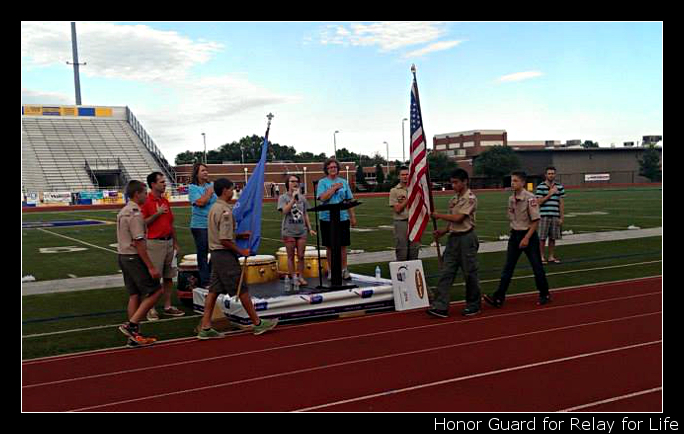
[(152, 315), (346, 275)]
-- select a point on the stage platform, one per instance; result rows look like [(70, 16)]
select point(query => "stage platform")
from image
[(271, 300)]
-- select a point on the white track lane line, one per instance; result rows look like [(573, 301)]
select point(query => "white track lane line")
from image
[(353, 362), (614, 399), (178, 341), (483, 374), (324, 341)]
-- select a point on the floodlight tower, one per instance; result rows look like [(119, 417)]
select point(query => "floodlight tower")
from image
[(74, 47)]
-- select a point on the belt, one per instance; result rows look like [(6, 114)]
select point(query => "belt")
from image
[(461, 233), (162, 238)]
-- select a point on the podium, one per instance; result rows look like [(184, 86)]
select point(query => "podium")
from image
[(335, 247)]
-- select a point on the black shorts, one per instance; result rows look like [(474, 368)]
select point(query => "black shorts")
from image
[(136, 276), (225, 273), (344, 233)]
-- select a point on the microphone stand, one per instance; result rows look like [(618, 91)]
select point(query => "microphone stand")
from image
[(318, 240)]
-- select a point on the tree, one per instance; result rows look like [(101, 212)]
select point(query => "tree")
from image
[(496, 162), (440, 167), (649, 165), (379, 174), (360, 176), (589, 144)]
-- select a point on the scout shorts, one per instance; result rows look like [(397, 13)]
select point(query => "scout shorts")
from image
[(137, 277), (225, 273)]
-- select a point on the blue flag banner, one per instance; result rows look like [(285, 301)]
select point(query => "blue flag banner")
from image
[(247, 210)]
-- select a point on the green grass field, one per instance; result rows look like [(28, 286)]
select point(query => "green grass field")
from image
[(86, 320)]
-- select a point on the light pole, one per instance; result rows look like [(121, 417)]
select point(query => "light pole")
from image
[(245, 169), (387, 144), (403, 146), (204, 136), (306, 187), (335, 143)]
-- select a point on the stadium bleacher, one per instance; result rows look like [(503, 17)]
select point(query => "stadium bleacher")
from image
[(65, 151)]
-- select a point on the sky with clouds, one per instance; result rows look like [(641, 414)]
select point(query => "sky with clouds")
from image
[(538, 81)]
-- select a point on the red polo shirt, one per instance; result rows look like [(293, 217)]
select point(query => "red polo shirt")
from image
[(163, 225)]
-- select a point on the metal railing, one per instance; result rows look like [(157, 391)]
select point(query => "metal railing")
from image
[(151, 146)]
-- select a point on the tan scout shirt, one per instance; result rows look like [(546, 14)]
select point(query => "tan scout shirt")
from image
[(523, 209), (467, 205), (220, 224), (397, 194), (130, 226)]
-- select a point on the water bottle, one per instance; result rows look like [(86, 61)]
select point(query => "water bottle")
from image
[(296, 284), (287, 283), (378, 274)]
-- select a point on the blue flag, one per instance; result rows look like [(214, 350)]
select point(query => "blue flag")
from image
[(247, 210)]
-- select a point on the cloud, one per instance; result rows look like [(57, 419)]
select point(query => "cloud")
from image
[(29, 96), (437, 46), (386, 35), (130, 52), (519, 76), (164, 62)]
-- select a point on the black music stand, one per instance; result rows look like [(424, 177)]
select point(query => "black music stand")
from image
[(335, 248)]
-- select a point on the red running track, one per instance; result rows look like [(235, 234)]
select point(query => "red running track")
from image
[(594, 348)]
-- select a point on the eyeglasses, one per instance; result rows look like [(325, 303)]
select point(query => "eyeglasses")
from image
[(296, 182)]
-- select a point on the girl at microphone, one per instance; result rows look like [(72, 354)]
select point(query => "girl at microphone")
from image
[(296, 224)]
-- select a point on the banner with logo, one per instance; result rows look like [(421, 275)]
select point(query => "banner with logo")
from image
[(60, 197), (409, 285)]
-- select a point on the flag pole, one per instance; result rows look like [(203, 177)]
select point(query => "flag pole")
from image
[(244, 266), (427, 167)]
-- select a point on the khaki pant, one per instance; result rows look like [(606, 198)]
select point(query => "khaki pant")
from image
[(404, 250), (460, 252), (161, 255)]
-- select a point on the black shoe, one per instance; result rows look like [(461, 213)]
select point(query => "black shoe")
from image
[(470, 311), (493, 301), (438, 313), (545, 299)]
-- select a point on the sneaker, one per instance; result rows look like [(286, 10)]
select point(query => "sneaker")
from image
[(265, 325), (438, 313), (209, 334), (129, 330), (470, 311), (346, 275), (152, 315), (493, 301), (172, 311), (140, 341), (544, 300)]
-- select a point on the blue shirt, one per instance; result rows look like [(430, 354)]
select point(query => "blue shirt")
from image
[(340, 195), (200, 213)]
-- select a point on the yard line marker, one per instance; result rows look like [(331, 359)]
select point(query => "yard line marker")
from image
[(77, 240)]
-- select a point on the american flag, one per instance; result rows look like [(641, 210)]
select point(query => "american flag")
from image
[(418, 190)]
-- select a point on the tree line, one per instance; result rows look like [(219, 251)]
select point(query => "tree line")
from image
[(494, 164)]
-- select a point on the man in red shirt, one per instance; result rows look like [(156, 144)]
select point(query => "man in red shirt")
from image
[(162, 244)]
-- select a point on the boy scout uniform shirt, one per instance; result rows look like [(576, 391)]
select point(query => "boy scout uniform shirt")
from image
[(523, 209), (221, 225), (467, 205), (130, 226), (397, 194)]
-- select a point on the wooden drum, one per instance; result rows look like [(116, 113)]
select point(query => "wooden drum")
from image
[(310, 261), (260, 269)]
